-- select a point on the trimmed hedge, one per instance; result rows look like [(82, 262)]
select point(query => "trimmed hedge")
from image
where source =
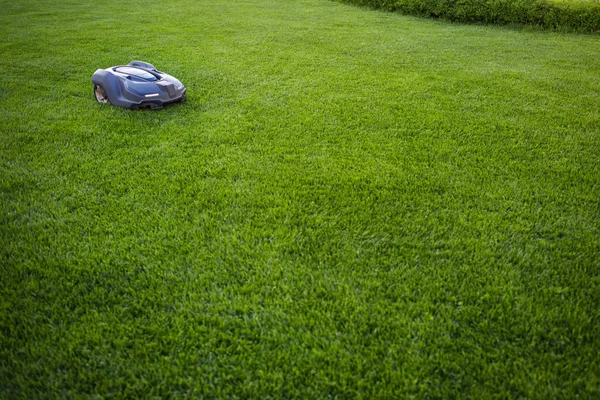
[(571, 16)]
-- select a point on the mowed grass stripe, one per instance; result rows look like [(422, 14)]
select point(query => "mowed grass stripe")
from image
[(351, 203)]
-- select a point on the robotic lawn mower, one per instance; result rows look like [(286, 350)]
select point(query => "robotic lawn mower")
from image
[(136, 85)]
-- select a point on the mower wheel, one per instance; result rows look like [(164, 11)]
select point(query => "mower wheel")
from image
[(100, 94)]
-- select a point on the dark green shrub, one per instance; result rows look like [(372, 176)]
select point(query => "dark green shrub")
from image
[(582, 17)]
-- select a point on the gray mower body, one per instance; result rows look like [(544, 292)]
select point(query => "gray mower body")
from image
[(136, 85)]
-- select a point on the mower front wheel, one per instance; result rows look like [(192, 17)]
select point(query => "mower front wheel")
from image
[(100, 94)]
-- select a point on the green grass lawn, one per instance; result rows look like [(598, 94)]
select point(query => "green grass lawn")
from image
[(351, 204), (575, 1)]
